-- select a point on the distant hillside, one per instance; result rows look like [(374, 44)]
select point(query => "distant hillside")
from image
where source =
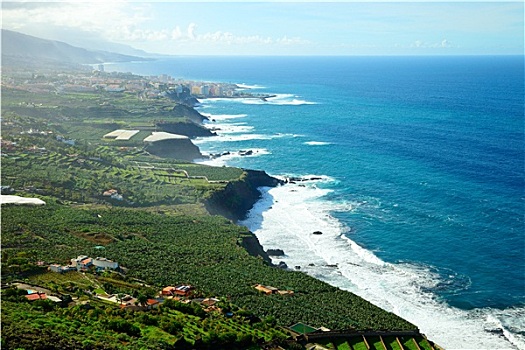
[(17, 45)]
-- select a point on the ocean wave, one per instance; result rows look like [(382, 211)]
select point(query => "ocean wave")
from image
[(235, 138), (246, 86), (223, 160), (226, 133), (316, 143), (279, 100), (287, 216), (284, 135), (232, 128), (223, 116), (310, 179)]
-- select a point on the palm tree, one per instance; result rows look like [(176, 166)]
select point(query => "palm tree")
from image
[(142, 299), (120, 297)]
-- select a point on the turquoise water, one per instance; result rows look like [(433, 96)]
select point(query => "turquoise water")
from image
[(422, 165)]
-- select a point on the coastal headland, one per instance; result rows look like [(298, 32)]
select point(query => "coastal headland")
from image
[(112, 193)]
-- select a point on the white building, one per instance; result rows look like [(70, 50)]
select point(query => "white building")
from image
[(60, 269), (105, 263)]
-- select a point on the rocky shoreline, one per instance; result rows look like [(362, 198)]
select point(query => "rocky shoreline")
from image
[(238, 197)]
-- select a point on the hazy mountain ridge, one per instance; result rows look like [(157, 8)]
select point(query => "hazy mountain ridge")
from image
[(18, 45)]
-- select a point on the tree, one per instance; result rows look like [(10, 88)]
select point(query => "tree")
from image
[(142, 300), (120, 297)]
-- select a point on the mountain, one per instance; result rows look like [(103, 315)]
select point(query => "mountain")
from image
[(21, 46), (102, 45)]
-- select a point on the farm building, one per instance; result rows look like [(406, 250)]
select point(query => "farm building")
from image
[(266, 289), (60, 269), (103, 263), (10, 199), (121, 135)]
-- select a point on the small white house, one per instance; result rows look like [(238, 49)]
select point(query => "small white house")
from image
[(104, 263), (60, 269)]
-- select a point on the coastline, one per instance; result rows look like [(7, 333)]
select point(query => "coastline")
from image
[(483, 317), (447, 326)]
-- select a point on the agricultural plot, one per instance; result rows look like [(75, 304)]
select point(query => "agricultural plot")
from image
[(375, 343), (342, 344), (409, 343), (424, 344), (356, 343), (62, 280), (69, 175), (327, 343), (212, 173), (391, 343)]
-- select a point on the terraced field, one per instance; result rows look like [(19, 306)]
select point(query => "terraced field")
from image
[(376, 342)]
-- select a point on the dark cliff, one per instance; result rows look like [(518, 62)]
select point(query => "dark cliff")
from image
[(254, 247), (187, 128), (238, 197), (178, 149), (184, 97), (182, 110)]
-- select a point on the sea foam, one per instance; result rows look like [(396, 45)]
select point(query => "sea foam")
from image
[(316, 143), (286, 218), (223, 160), (246, 86), (223, 116), (231, 128), (279, 100)]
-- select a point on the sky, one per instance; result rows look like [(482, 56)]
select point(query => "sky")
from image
[(278, 28)]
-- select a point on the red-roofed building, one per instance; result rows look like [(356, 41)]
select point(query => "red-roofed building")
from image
[(36, 296), (183, 290), (169, 290), (109, 193), (84, 264), (152, 303)]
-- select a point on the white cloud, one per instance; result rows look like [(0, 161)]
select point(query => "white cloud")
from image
[(445, 43), (190, 35), (419, 44), (112, 19), (291, 41), (123, 22), (191, 31), (176, 33), (230, 38)]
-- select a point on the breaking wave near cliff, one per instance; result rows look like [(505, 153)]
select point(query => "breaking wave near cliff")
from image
[(287, 217)]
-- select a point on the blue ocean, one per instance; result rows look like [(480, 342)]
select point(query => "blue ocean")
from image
[(413, 169)]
